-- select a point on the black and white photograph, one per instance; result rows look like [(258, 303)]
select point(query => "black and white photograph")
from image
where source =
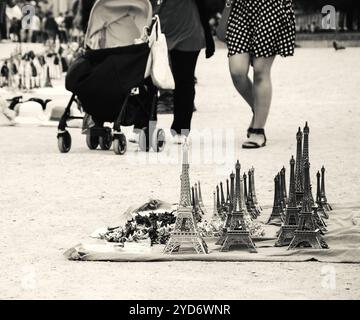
[(167, 150)]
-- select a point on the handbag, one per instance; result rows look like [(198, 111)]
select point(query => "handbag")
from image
[(223, 23), (161, 74)]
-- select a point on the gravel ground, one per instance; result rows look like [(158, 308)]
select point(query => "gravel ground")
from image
[(51, 201)]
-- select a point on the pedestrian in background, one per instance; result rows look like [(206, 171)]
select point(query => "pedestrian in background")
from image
[(185, 24), (257, 32)]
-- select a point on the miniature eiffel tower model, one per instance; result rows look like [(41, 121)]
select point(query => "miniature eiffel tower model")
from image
[(283, 186), (307, 235), (323, 198), (201, 203), (227, 202), (237, 233), (276, 217), (287, 230), (196, 209), (232, 190), (306, 156), (320, 207), (222, 197), (250, 199), (185, 231), (299, 182), (253, 191), (197, 200), (227, 217), (282, 203), (218, 205), (248, 203), (215, 216)]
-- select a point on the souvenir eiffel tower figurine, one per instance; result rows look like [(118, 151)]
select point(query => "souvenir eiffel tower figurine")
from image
[(307, 235), (283, 185), (250, 207), (186, 231), (287, 230), (215, 215), (253, 192), (276, 214), (227, 193), (196, 210), (237, 233), (254, 210), (246, 196), (232, 190), (323, 198), (221, 240), (281, 195), (320, 207), (306, 156), (197, 201), (201, 203), (218, 205), (222, 197), (299, 183)]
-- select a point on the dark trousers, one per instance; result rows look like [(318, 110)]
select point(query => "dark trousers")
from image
[(183, 64)]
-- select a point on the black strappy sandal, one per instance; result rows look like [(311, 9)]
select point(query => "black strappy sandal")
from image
[(253, 144), (249, 132)]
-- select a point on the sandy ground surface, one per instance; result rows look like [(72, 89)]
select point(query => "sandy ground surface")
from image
[(51, 201)]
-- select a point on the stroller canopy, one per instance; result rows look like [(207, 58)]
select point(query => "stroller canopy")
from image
[(117, 23)]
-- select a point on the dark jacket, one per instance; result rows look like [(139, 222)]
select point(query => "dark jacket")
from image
[(205, 19)]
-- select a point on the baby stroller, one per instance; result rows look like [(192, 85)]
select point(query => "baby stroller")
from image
[(111, 80)]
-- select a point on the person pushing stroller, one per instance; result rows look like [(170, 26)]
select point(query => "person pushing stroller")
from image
[(111, 80)]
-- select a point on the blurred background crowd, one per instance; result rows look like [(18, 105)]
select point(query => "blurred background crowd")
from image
[(58, 18)]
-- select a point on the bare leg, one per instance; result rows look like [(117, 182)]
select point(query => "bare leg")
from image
[(239, 65), (262, 90)]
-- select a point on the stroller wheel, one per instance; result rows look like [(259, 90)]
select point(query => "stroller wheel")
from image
[(158, 140), (92, 141), (144, 143), (120, 144), (64, 142), (105, 141)]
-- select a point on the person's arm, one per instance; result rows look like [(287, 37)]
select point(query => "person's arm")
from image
[(78, 15), (205, 18)]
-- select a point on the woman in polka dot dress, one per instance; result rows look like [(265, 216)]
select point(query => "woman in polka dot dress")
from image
[(258, 31)]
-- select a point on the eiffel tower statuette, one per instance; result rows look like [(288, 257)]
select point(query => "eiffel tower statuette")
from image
[(287, 230), (253, 192), (251, 199), (276, 214), (232, 190), (185, 231), (227, 193), (307, 235), (250, 207), (221, 240), (201, 202), (306, 154), (237, 233), (299, 182), (222, 196), (283, 185), (320, 207), (215, 215), (218, 205), (197, 201), (281, 195), (323, 199), (196, 211)]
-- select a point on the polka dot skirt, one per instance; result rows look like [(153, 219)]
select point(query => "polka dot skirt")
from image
[(263, 28)]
